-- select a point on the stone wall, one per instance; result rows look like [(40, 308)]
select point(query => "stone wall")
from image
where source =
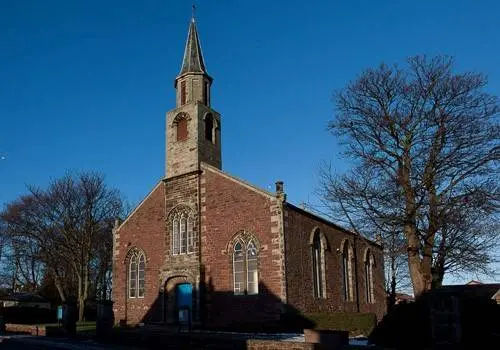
[(144, 229), (255, 344), (25, 329), (184, 156), (229, 208), (181, 192), (299, 226)]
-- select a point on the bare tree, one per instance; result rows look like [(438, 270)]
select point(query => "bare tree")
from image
[(424, 141), (28, 219), (71, 225)]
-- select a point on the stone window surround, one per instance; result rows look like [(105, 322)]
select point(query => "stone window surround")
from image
[(318, 244), (215, 127), (347, 261), (175, 123), (178, 216), (369, 264), (247, 241), (137, 257)]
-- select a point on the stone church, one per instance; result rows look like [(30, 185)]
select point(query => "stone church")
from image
[(208, 247)]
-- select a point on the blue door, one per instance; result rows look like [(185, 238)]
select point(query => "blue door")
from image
[(184, 294)]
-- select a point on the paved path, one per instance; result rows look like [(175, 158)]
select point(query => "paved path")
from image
[(27, 342)]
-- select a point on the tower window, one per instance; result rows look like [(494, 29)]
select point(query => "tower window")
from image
[(183, 92), (209, 128), (182, 131), (205, 94)]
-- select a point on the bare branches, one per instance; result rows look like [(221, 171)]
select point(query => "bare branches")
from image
[(68, 222), (423, 139)]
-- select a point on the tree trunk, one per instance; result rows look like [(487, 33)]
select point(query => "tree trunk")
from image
[(437, 274), (85, 291), (81, 301), (392, 291), (417, 277), (410, 227), (433, 226), (60, 290)]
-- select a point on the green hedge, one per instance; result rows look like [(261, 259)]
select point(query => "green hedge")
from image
[(355, 323)]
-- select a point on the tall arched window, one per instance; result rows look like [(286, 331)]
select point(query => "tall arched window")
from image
[(209, 128), (318, 261), (183, 241), (369, 264), (136, 275), (252, 269), (239, 269), (347, 272), (245, 267)]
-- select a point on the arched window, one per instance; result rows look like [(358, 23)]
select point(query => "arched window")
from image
[(369, 264), (245, 267), (182, 131), (183, 241), (209, 128), (318, 261), (252, 269), (347, 273), (183, 93), (239, 269), (206, 98), (136, 275), (132, 282)]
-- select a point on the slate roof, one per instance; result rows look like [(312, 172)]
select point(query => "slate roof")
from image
[(193, 57)]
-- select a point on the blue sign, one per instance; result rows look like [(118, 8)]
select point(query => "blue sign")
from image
[(59, 312)]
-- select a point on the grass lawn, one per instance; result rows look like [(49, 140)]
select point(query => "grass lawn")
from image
[(81, 327)]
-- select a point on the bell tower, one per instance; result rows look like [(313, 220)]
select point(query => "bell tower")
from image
[(193, 127)]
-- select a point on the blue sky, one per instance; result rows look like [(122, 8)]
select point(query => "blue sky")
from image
[(84, 85)]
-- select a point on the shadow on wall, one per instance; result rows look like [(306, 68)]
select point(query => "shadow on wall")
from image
[(223, 310), (440, 318)]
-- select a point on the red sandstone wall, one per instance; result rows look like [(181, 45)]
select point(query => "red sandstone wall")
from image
[(144, 229), (228, 207), (180, 190), (300, 292)]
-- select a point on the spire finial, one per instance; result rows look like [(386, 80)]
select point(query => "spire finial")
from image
[(193, 13)]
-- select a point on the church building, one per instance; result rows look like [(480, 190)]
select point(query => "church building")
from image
[(211, 248)]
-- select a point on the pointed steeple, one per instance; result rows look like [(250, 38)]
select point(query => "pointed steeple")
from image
[(193, 58), (193, 127)]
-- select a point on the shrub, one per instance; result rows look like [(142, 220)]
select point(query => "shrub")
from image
[(355, 323), (402, 323)]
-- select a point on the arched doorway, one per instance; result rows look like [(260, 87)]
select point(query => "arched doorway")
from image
[(178, 296)]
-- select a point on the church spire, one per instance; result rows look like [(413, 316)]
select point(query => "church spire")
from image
[(193, 58), (193, 127)]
